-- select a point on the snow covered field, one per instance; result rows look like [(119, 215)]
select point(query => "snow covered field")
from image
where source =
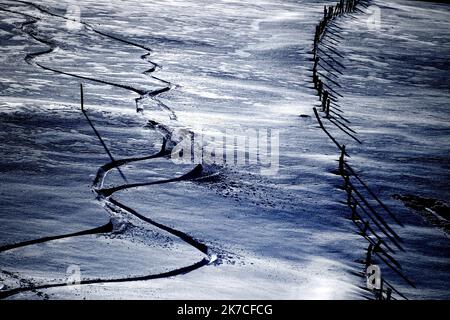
[(229, 231)]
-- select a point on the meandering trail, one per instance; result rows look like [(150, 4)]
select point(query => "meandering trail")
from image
[(104, 195)]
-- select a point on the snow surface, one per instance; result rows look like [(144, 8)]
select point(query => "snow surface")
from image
[(231, 65)]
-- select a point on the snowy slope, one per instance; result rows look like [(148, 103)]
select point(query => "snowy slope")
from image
[(396, 97), (228, 65)]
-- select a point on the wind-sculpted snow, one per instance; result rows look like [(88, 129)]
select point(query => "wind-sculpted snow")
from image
[(226, 201), (203, 67), (358, 73), (105, 195)]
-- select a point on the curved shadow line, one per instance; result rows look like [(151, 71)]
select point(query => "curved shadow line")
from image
[(172, 273), (101, 174), (107, 228)]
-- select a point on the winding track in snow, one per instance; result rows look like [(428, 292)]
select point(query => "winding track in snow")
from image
[(105, 194)]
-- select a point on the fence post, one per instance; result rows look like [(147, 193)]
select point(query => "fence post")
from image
[(380, 297), (82, 97), (327, 108), (341, 160), (364, 232), (369, 256), (320, 88), (376, 248), (324, 100), (349, 195), (388, 294), (346, 181), (353, 207)]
